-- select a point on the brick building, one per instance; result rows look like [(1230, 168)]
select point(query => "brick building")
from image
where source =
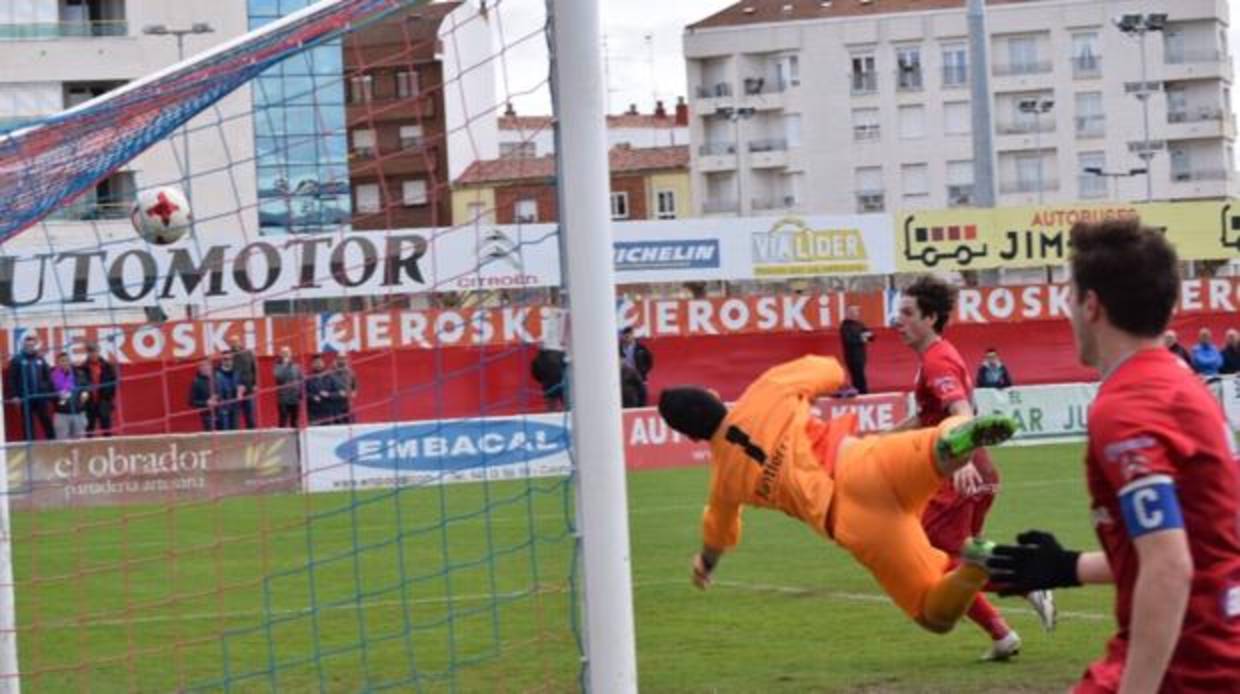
[(646, 183)]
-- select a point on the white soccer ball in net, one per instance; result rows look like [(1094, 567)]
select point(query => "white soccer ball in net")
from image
[(161, 215)]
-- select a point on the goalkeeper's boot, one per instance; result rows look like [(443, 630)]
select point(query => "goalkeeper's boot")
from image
[(1043, 604), (1003, 649), (979, 432)]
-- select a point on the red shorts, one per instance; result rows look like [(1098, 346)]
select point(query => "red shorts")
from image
[(952, 518)]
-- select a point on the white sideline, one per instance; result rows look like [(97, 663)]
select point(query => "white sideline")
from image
[(840, 596)]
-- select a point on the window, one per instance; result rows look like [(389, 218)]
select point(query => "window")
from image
[(1177, 104), (1181, 165), (518, 150), (908, 68), (864, 75), (413, 192), (1090, 120), (869, 181), (1092, 185), (476, 211), (1023, 55), (665, 204), (955, 66), (368, 198), (410, 136), (620, 205), (788, 71), (912, 122), (865, 124), (916, 181), (1085, 60), (1028, 172), (959, 183), (406, 84), (364, 142), (526, 211), (957, 118), (361, 89), (792, 129)]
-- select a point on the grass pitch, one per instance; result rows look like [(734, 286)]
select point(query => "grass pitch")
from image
[(467, 588)]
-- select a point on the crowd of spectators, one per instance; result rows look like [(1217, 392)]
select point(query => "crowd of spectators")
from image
[(1207, 359)]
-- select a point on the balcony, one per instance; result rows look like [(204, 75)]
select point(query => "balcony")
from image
[(768, 154), (1037, 67), (867, 133), (717, 156), (777, 202), (1199, 175), (717, 149), (769, 145), (1019, 187), (1040, 126), (1196, 63), (1086, 67), (1195, 115), (720, 207), (1188, 56), (960, 195), (871, 201), (756, 86), (955, 77), (62, 30), (717, 90), (1197, 122), (1089, 127), (864, 83)]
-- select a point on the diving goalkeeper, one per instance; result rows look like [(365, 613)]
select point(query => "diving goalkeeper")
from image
[(867, 494)]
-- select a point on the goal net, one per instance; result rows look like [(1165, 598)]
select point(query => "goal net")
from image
[(303, 446)]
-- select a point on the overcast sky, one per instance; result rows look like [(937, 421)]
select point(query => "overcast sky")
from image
[(643, 48)]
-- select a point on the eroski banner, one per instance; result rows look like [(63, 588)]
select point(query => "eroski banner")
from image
[(238, 272)]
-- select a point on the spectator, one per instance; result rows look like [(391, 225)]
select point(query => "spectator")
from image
[(636, 355), (30, 383), (632, 389), (855, 336), (1231, 353), (227, 394), (246, 375), (202, 395), (549, 368), (1207, 360), (290, 388), (101, 376), (323, 393), (72, 393), (993, 373), (1171, 341), (348, 385)]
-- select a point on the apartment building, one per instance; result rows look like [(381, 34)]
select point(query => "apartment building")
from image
[(534, 136), (864, 105)]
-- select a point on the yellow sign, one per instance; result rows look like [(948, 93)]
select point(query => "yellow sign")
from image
[(791, 247), (983, 239)]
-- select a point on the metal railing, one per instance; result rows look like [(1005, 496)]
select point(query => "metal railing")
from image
[(1191, 175), (716, 149), (1091, 126), (719, 206), (1035, 67), (88, 210), (1040, 125), (754, 86), (1087, 66), (779, 202), (1195, 115), (1018, 186), (58, 30), (867, 133), (1183, 56), (955, 76), (960, 195), (864, 82), (714, 91), (768, 145)]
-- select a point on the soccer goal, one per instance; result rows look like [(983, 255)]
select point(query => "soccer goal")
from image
[(270, 312)]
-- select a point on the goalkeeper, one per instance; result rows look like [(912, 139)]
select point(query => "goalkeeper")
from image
[(867, 494)]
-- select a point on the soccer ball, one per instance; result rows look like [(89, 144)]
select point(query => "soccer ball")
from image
[(161, 215)]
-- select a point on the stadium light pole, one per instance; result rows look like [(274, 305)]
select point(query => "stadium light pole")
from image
[(979, 81), (179, 35), (1139, 25), (578, 94), (1037, 107)]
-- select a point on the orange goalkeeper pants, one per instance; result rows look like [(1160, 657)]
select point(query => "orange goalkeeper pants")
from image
[(882, 486)]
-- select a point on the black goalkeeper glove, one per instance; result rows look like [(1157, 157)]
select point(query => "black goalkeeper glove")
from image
[(1037, 563)]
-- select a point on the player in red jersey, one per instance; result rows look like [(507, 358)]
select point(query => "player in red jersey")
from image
[(943, 389), (1163, 476)]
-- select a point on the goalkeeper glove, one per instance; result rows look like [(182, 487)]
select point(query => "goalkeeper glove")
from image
[(1038, 562)]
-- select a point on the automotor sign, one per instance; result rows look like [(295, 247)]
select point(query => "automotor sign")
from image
[(231, 271), (151, 469)]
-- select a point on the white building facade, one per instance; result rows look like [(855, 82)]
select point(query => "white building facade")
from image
[(864, 105)]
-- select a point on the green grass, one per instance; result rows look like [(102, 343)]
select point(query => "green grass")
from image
[(214, 597)]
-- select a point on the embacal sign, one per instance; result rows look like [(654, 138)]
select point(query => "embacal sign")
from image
[(457, 445)]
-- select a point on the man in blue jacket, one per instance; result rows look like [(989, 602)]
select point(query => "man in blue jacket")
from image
[(30, 383), (1207, 360)]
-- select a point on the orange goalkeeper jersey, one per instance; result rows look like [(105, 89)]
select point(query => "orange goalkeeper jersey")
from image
[(769, 450)]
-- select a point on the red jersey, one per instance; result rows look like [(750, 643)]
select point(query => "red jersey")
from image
[(950, 517), (1156, 433)]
